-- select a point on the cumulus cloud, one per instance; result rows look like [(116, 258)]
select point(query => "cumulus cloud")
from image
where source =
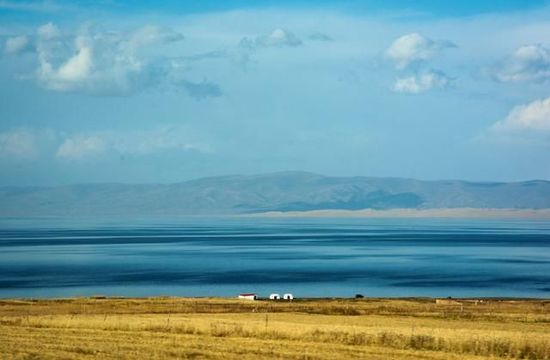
[(527, 124), (17, 44), (534, 116), (18, 144), (416, 84), (201, 90), (99, 62), (414, 48), (412, 53), (529, 63), (122, 63), (73, 73)]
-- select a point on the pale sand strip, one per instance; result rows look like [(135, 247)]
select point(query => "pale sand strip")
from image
[(415, 213)]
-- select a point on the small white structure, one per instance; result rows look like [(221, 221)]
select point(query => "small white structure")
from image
[(288, 296), (248, 296), (274, 297)]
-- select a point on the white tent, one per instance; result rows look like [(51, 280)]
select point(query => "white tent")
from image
[(248, 296)]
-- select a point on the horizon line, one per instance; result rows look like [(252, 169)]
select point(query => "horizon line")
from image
[(274, 173)]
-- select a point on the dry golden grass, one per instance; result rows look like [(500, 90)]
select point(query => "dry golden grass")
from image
[(161, 328)]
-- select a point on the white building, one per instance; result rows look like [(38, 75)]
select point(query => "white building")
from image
[(288, 296), (248, 296), (274, 296)]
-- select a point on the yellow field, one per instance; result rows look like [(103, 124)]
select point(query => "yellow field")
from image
[(163, 328)]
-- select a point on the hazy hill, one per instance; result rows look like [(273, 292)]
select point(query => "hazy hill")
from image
[(277, 191)]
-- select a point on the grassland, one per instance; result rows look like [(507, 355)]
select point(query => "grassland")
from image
[(183, 328)]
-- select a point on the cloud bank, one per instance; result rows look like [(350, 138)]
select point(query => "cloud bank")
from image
[(28, 144), (100, 63), (359, 92), (136, 143)]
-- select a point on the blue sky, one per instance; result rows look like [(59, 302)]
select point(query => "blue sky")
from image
[(113, 91)]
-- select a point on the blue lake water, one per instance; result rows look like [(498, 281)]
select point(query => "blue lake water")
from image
[(307, 257)]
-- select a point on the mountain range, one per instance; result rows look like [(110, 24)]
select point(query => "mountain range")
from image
[(284, 191)]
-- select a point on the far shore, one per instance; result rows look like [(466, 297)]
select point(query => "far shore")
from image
[(457, 213)]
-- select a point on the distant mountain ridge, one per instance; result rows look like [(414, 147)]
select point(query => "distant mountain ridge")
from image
[(284, 191)]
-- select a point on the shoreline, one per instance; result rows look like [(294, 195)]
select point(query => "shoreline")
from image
[(455, 213)]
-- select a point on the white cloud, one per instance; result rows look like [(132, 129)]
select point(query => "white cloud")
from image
[(79, 147), (139, 143), (278, 37), (412, 48), (29, 143), (16, 45), (528, 63), (48, 31), (19, 144), (423, 82), (534, 116), (154, 140), (103, 63), (243, 53), (71, 74), (415, 49), (150, 35)]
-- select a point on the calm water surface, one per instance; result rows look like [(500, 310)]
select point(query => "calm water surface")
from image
[(308, 257)]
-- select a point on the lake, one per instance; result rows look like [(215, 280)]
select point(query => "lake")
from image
[(306, 257)]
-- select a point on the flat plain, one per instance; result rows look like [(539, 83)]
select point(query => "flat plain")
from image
[(213, 328)]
